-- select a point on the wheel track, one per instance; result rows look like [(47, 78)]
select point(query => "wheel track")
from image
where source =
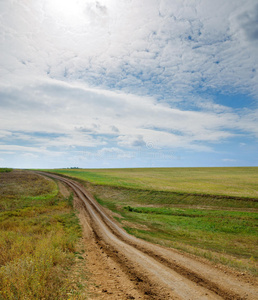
[(162, 271)]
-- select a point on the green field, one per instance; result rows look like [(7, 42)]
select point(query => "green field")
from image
[(210, 212), (239, 182), (39, 232)]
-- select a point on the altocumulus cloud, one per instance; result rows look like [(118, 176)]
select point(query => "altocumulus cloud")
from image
[(104, 79)]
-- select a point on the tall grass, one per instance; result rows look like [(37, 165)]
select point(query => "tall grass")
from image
[(39, 232)]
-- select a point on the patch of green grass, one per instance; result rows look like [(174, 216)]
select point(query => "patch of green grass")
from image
[(235, 261), (109, 204), (5, 170), (206, 228), (247, 218), (39, 232)]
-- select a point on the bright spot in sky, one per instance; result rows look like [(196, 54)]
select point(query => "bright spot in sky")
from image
[(66, 11)]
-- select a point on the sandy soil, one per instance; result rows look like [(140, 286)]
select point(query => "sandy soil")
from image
[(124, 267)]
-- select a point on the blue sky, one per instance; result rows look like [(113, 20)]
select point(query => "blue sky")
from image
[(108, 83)]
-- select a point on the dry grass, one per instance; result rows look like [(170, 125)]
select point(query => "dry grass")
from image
[(39, 233)]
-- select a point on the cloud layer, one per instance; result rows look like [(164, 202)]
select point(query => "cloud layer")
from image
[(72, 117), (159, 48), (113, 76)]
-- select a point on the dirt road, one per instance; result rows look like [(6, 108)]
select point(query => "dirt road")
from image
[(149, 271)]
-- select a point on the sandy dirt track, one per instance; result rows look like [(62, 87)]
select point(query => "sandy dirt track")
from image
[(146, 271)]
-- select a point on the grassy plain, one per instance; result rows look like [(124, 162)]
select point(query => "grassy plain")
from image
[(238, 182), (39, 232), (211, 212)]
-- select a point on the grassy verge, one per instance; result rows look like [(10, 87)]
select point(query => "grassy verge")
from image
[(39, 233)]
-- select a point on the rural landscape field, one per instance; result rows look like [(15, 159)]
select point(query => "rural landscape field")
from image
[(210, 214), (128, 150)]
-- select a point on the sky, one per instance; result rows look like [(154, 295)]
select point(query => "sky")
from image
[(128, 83)]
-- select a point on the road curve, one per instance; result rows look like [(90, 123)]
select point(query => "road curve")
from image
[(160, 272)]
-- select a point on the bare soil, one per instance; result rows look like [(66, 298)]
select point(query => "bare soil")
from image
[(106, 279), (124, 267)]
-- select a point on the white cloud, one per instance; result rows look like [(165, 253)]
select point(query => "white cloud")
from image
[(228, 160), (160, 47), (26, 150), (116, 75), (30, 155), (72, 115)]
